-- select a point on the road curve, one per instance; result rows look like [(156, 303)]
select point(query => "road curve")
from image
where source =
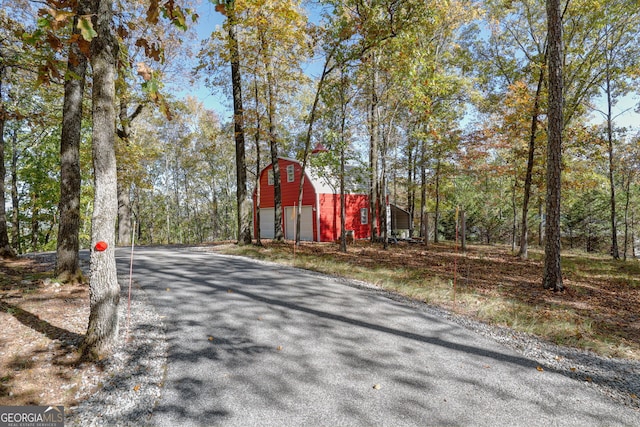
[(259, 344)]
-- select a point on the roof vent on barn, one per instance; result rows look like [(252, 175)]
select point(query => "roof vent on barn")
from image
[(319, 148)]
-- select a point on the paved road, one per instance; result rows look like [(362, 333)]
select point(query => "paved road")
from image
[(260, 344)]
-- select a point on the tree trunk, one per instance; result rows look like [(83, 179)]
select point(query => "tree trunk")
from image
[(244, 226), (67, 260), (104, 296), (411, 191), (273, 144), (256, 226), (436, 238), (35, 223), (277, 189), (343, 208), (523, 253), (552, 269), (626, 215), (614, 227), (343, 148), (424, 226), (383, 196), (514, 212), (373, 151), (541, 223), (463, 229), (16, 238), (633, 233), (5, 248), (124, 214), (307, 143)]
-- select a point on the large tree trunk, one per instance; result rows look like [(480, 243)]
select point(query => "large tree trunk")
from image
[(5, 247), (243, 218), (67, 264), (552, 269), (104, 294)]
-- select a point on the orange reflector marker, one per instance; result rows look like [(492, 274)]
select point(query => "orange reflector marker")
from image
[(101, 246)]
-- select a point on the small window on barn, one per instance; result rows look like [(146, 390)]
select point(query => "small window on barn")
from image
[(270, 177), (290, 175), (364, 216)]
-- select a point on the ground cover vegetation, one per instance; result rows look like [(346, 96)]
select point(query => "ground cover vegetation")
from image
[(509, 111)]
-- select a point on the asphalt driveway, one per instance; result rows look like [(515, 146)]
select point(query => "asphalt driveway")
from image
[(261, 344)]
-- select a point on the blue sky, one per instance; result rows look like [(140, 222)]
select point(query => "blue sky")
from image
[(208, 20)]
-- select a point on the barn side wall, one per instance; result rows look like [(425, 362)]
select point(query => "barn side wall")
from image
[(330, 216)]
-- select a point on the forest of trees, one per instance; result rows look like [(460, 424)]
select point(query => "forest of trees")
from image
[(445, 103)]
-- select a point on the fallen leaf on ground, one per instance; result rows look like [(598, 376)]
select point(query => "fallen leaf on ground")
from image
[(376, 386), (540, 368), (136, 387)]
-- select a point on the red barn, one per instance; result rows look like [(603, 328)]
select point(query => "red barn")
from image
[(320, 219)]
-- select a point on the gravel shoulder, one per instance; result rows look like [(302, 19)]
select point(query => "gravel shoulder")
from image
[(134, 374)]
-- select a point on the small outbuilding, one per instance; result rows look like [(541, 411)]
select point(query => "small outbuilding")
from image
[(320, 216)]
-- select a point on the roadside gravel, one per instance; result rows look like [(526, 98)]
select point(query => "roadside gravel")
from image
[(131, 381)]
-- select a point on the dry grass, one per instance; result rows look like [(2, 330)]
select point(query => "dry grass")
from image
[(600, 309)]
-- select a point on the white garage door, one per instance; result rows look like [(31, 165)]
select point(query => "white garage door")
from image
[(267, 229), (306, 223)]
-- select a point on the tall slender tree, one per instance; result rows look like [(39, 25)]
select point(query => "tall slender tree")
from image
[(243, 215), (552, 266)]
